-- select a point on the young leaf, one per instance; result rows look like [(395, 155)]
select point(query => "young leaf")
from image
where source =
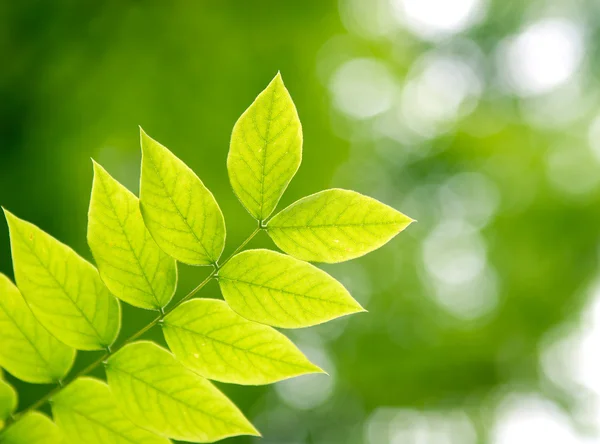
[(335, 226), (33, 428), (211, 339), (28, 351), (265, 150), (275, 289), (63, 290), (180, 212), (8, 400), (87, 413), (159, 394), (130, 263)]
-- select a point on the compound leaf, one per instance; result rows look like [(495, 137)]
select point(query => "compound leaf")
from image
[(130, 263), (33, 428), (211, 339), (8, 400), (159, 394), (63, 290), (180, 212), (86, 412), (28, 351), (334, 226), (265, 150), (279, 290)]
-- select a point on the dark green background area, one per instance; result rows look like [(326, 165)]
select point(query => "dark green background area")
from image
[(77, 78)]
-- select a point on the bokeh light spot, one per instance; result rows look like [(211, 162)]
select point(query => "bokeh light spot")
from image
[(362, 88)]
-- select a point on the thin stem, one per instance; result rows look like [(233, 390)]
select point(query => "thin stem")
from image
[(40, 402)]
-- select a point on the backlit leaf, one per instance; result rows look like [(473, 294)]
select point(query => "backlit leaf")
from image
[(265, 150), (159, 394), (180, 212), (334, 226), (279, 290), (86, 412), (27, 350), (130, 263), (33, 428), (8, 400), (211, 339), (63, 290)]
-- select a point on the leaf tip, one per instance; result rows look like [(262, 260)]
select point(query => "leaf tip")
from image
[(277, 80), (252, 431), (144, 137), (8, 215), (318, 370)]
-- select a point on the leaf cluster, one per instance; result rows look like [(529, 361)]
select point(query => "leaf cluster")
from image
[(61, 303)]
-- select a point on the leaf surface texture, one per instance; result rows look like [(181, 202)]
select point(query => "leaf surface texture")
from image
[(130, 263), (180, 212), (211, 339), (63, 290), (28, 351), (279, 290), (159, 394), (265, 150), (86, 412), (335, 225)]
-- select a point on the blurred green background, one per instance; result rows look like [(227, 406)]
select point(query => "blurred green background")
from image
[(478, 118)]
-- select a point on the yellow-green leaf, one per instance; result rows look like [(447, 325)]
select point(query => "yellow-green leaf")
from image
[(28, 351), (279, 290), (130, 263), (181, 214), (86, 412), (8, 400), (63, 290), (265, 150), (33, 428), (161, 395), (211, 339), (334, 226)]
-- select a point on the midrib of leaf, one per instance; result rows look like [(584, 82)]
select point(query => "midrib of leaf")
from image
[(169, 395), (228, 344), (309, 226), (266, 144), (60, 285), (40, 402), (26, 337), (170, 196), (101, 424), (298, 295), (137, 259)]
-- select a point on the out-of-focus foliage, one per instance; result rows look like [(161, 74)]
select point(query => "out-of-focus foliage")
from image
[(478, 118)]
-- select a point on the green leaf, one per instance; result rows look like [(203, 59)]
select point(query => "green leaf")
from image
[(265, 150), (130, 263), (335, 226), (8, 400), (28, 351), (33, 428), (180, 212), (211, 339), (86, 412), (63, 290), (159, 394), (275, 289)]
